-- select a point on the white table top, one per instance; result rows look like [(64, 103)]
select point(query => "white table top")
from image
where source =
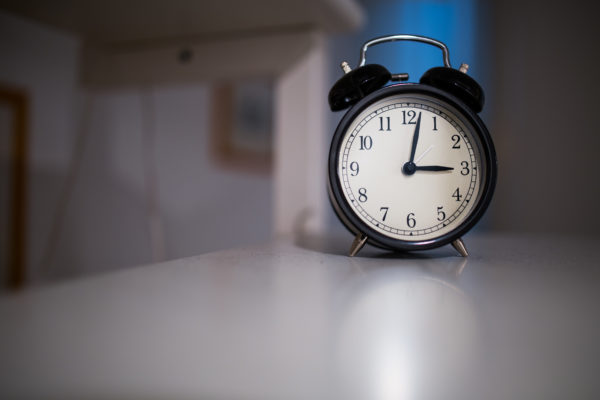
[(517, 319)]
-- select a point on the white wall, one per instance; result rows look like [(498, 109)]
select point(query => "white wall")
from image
[(105, 224), (201, 207)]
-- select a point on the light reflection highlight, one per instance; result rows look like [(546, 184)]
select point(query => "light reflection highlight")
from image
[(406, 333)]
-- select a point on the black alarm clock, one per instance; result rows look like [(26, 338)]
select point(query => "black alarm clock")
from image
[(411, 165)]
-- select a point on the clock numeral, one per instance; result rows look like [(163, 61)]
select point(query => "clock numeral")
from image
[(435, 123), (410, 220), (456, 140), (362, 195), (441, 214), (384, 126), (365, 142), (457, 195), (354, 168), (408, 117), (465, 168), (385, 211)]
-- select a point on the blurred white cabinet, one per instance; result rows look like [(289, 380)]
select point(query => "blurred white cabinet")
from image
[(152, 42)]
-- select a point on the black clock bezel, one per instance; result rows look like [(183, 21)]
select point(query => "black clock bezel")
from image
[(356, 225)]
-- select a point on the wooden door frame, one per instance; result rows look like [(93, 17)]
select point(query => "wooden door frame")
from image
[(17, 101)]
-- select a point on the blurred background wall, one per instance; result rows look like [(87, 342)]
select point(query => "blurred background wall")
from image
[(543, 108), (88, 184), (122, 175)]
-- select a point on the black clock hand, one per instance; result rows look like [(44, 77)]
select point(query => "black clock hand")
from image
[(409, 167), (415, 140), (432, 168)]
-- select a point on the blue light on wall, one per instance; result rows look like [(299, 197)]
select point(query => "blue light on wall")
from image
[(450, 21)]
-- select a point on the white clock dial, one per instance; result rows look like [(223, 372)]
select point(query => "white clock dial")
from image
[(404, 193)]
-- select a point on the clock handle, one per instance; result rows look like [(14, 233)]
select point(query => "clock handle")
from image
[(414, 38)]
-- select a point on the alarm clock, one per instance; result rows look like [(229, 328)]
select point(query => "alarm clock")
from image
[(411, 165)]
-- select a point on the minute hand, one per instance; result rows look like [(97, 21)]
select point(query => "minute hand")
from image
[(415, 140), (433, 168)]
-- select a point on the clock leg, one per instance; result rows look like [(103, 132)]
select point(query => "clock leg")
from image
[(357, 244), (459, 245)]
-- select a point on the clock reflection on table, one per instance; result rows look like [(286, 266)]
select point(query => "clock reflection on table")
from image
[(403, 326)]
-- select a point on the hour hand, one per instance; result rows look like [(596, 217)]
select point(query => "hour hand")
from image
[(434, 168)]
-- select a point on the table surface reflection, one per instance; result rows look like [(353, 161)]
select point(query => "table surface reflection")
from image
[(300, 320)]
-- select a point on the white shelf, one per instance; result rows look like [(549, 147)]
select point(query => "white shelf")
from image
[(115, 22), (139, 42), (293, 321)]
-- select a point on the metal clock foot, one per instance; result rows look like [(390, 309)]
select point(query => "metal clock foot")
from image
[(357, 244), (459, 245)]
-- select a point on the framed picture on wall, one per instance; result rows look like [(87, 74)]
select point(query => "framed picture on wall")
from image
[(242, 125)]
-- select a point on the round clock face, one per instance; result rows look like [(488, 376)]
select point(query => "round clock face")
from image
[(411, 167)]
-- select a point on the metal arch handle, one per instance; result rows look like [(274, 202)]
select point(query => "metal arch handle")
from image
[(414, 38)]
